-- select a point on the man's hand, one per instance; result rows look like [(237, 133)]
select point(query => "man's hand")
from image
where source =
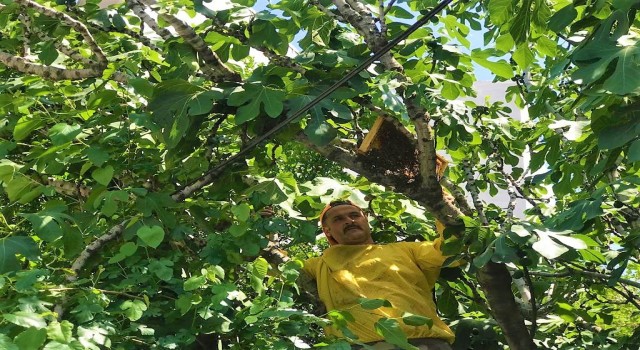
[(266, 212)]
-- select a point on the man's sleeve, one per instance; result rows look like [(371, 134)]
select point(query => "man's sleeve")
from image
[(310, 266)]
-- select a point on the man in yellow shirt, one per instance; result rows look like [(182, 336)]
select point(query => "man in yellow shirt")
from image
[(354, 267)]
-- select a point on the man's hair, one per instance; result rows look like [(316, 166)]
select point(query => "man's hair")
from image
[(334, 204)]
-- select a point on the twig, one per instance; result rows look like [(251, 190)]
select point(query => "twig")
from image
[(473, 190), (628, 297), (328, 12), (26, 49), (389, 7), (534, 306), (104, 291), (381, 18)]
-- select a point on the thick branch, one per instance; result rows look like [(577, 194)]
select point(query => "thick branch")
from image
[(78, 26), (458, 195), (493, 278), (534, 306), (574, 272), (53, 73), (213, 66), (94, 246), (141, 12), (364, 23)]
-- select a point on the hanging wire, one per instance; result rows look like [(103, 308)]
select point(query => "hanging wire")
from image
[(259, 139)]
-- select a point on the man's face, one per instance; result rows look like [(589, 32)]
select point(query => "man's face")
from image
[(347, 224)]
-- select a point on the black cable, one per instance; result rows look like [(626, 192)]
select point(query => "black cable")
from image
[(259, 139)]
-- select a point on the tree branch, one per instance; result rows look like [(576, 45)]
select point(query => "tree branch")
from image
[(327, 12), (78, 26), (381, 18), (279, 60), (54, 73), (213, 66), (473, 190), (573, 272), (493, 278), (534, 306), (140, 11), (42, 36)]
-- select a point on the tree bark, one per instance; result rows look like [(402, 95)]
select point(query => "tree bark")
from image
[(495, 281)]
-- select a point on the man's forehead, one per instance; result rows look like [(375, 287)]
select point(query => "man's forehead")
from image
[(342, 209)]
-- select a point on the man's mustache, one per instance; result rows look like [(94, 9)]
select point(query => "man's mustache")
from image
[(349, 227)]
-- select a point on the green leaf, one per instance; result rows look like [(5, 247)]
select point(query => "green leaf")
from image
[(251, 97), (25, 126), (103, 175), (151, 235), (62, 133), (31, 339), (340, 318), (241, 211), (500, 11), (562, 18), (269, 192), (109, 201), (617, 136), (102, 98), (392, 333), (97, 155), (607, 45), (128, 249), (521, 25), (202, 102), (482, 259), (48, 54), (416, 320), (523, 56), (260, 267), (633, 155), (553, 244), (319, 29), (10, 246), (26, 319), (371, 304), (238, 229), (320, 133), (504, 253), (162, 269), (7, 344), (500, 68), (118, 21), (174, 101), (61, 332), (142, 86), (194, 282), (133, 309)]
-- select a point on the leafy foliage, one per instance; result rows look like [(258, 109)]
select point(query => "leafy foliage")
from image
[(112, 152)]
